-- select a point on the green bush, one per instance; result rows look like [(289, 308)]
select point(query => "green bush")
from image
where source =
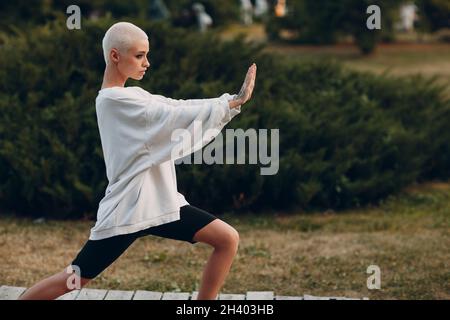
[(352, 138), (346, 138)]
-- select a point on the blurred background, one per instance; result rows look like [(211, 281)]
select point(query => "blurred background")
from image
[(364, 141)]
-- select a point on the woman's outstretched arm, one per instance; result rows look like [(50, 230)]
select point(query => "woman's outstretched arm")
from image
[(234, 100)]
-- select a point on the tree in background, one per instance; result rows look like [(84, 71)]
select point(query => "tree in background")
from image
[(327, 21), (435, 14)]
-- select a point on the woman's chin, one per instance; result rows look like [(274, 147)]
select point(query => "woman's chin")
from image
[(138, 77)]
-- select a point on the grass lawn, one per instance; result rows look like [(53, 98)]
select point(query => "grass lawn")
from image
[(321, 254)]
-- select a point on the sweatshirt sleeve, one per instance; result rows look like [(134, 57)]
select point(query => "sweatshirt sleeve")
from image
[(173, 133), (189, 102)]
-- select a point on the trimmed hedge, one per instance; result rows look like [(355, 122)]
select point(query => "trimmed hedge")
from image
[(346, 138)]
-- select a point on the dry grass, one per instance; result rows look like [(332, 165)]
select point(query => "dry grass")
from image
[(323, 254)]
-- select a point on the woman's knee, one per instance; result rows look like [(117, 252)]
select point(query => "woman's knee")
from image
[(228, 239), (218, 234)]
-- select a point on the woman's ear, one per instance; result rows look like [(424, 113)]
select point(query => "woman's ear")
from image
[(114, 55)]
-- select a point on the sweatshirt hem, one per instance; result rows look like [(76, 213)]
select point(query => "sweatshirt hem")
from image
[(126, 229)]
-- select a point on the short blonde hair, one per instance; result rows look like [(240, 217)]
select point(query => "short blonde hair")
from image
[(121, 36)]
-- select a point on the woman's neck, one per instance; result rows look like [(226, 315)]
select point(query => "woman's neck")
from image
[(112, 78)]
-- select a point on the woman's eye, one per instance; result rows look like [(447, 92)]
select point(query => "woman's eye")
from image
[(139, 56)]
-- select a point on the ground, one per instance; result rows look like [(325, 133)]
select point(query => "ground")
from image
[(291, 254)]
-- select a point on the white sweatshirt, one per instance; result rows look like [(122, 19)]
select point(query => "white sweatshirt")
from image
[(136, 136)]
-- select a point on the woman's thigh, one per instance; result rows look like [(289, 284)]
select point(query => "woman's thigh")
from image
[(195, 225), (192, 219), (97, 255)]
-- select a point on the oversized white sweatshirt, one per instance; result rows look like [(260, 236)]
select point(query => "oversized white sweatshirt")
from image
[(136, 135)]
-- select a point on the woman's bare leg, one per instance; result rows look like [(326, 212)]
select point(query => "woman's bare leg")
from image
[(53, 287), (220, 235), (225, 240)]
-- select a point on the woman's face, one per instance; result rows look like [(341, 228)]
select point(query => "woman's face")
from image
[(134, 62)]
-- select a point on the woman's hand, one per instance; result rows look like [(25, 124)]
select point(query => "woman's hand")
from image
[(247, 88)]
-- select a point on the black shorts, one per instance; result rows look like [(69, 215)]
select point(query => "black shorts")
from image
[(97, 255)]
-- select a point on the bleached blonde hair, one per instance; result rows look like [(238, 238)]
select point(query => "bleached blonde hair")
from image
[(121, 36)]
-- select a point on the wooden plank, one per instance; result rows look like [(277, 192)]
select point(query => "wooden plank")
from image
[(195, 294), (72, 295), (343, 298), (91, 294), (310, 297), (175, 296), (288, 298), (119, 295), (259, 295), (147, 295), (11, 293), (231, 296)]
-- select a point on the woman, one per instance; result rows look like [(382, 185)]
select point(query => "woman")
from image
[(136, 130)]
